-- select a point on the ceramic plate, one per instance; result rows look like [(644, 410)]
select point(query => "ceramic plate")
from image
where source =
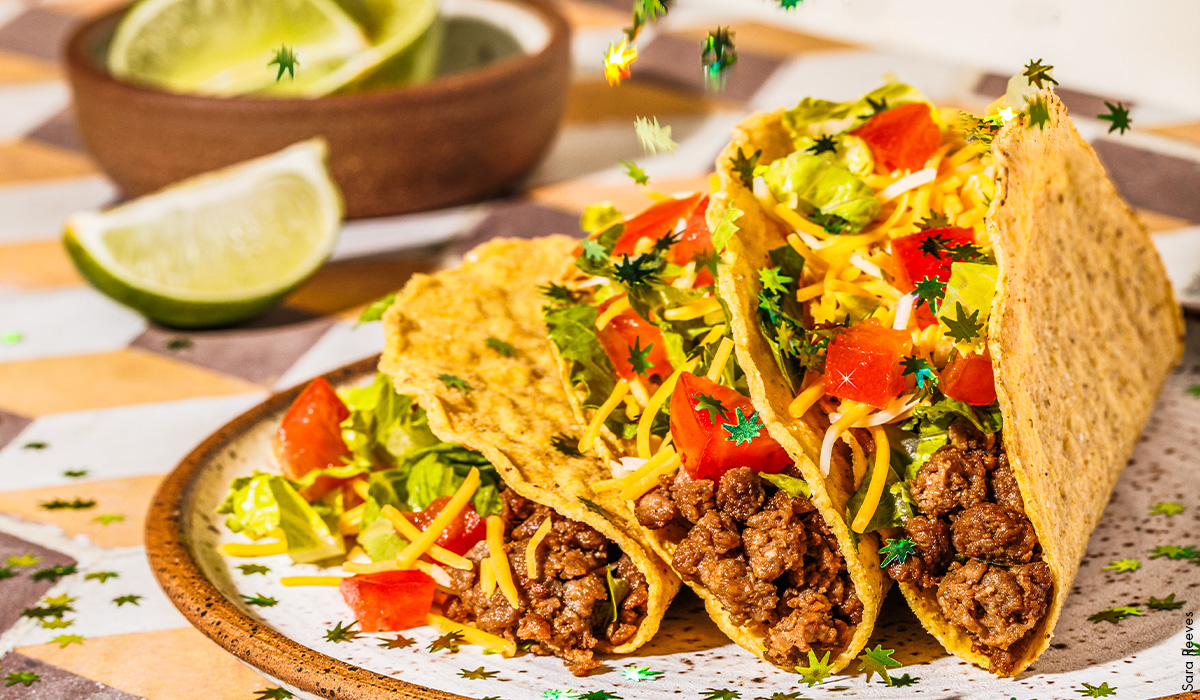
[(1140, 655)]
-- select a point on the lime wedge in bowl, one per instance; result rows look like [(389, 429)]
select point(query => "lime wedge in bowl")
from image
[(406, 39), (218, 248), (223, 47)]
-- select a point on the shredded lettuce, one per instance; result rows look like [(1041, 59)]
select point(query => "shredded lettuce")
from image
[(258, 504), (928, 429), (809, 184), (896, 504), (617, 590), (408, 467), (792, 486), (851, 152), (599, 216), (974, 286), (813, 118), (573, 332)]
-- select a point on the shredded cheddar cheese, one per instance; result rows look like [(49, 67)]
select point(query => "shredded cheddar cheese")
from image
[(720, 358), (697, 309), (421, 544), (800, 223), (254, 549), (372, 567), (614, 309), (474, 635), (655, 404), (593, 429), (718, 331), (410, 532), (664, 454), (435, 572), (805, 400), (487, 577), (500, 565), (878, 480), (638, 488), (361, 487), (349, 522), (291, 581), (531, 567)]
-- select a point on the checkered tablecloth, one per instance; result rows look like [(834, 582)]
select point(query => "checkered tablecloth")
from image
[(96, 405)]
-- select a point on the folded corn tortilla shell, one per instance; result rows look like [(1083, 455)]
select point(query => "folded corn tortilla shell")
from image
[(440, 323), (1083, 332), (862, 558)]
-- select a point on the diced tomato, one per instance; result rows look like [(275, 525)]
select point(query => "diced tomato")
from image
[(913, 264), (925, 317), (619, 336), (864, 364), (695, 241), (704, 445), (389, 601), (463, 533), (903, 137), (310, 437), (968, 378), (654, 223)]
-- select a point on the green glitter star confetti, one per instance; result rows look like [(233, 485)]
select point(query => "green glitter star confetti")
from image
[(1115, 615), (448, 642), (131, 599), (287, 60), (1167, 508), (1096, 691), (816, 671), (26, 678), (342, 633), (1168, 603), (1122, 566), (397, 642), (453, 382), (897, 550), (637, 675), (878, 661), (1117, 117)]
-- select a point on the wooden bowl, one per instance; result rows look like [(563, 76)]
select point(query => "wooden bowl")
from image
[(458, 138)]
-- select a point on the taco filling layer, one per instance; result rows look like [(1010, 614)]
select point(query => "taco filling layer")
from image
[(429, 531), (582, 588), (875, 309), (648, 354)]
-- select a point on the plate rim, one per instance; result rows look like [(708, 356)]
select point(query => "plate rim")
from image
[(251, 641)]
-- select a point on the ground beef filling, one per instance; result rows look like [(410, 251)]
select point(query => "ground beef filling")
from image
[(768, 558), (975, 546), (567, 609)]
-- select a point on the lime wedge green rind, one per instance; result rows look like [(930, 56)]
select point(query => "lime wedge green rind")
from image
[(175, 313), (218, 248), (223, 47)]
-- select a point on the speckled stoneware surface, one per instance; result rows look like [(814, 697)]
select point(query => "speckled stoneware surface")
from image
[(1141, 656)]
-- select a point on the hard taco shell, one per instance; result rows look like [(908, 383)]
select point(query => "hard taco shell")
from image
[(1083, 332), (440, 324)]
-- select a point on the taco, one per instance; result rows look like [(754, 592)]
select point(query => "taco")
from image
[(977, 324), (468, 346), (647, 355)]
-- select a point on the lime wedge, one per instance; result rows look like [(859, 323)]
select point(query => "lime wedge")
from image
[(405, 37), (223, 47), (217, 248)]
